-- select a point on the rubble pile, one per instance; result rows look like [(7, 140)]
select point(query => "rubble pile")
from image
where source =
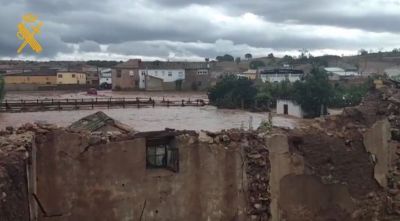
[(256, 163), (14, 147), (258, 171), (334, 150)]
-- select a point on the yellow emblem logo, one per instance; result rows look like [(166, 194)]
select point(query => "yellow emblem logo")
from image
[(27, 29)]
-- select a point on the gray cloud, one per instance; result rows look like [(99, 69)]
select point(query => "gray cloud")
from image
[(161, 28)]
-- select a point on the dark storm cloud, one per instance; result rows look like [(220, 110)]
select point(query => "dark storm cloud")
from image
[(316, 12), (89, 46), (196, 27)]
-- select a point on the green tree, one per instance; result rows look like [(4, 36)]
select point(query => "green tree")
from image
[(237, 60), (233, 92), (287, 59), (248, 56), (226, 57), (257, 64), (314, 92), (363, 52)]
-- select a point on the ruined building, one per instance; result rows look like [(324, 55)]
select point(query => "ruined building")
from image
[(341, 168)]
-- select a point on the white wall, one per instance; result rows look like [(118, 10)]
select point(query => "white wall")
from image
[(293, 108), (280, 77), (167, 75), (105, 76)]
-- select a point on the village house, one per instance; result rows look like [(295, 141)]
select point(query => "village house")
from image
[(281, 74), (158, 75), (105, 76), (337, 73), (39, 77), (125, 76), (288, 107), (92, 75), (77, 78), (250, 74)]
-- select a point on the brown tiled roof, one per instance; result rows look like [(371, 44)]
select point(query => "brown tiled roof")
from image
[(44, 72), (132, 63), (96, 121), (173, 65)]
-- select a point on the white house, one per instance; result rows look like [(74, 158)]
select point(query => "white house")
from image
[(167, 75), (337, 72), (281, 74), (287, 107), (105, 76)]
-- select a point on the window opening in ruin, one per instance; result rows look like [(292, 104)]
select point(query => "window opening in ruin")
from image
[(161, 153)]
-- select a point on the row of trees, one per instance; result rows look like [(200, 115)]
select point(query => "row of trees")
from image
[(314, 94)]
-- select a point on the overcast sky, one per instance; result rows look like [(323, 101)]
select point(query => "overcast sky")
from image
[(194, 29)]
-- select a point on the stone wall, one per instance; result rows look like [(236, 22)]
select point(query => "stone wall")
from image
[(77, 180)]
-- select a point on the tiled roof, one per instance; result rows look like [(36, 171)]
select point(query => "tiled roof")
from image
[(45, 72), (96, 121), (173, 65)]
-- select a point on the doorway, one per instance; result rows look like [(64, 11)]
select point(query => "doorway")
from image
[(285, 109)]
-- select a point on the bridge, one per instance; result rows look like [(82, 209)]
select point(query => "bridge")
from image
[(91, 103)]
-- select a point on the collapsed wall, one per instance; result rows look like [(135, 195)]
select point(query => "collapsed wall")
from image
[(14, 149), (344, 167), (82, 176)]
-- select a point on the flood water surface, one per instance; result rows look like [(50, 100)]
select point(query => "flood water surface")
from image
[(148, 119), (145, 119)]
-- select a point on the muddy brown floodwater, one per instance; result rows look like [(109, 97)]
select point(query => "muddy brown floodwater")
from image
[(145, 119)]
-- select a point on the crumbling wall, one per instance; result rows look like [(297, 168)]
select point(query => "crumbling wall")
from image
[(14, 200), (109, 180)]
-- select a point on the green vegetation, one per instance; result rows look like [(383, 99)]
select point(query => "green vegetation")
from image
[(233, 92), (257, 64), (314, 94), (350, 95), (2, 90), (248, 56), (226, 57)]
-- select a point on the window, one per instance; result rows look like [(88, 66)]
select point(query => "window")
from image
[(73, 75), (180, 74), (118, 73), (60, 76), (160, 153), (170, 74), (143, 73)]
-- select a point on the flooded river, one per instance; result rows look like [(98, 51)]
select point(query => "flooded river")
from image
[(145, 119)]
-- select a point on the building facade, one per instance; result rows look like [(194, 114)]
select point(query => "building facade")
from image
[(281, 74), (71, 78), (250, 74), (105, 76), (158, 75), (288, 107), (165, 75), (125, 76), (36, 77)]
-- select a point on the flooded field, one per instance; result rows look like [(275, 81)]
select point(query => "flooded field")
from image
[(145, 119)]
